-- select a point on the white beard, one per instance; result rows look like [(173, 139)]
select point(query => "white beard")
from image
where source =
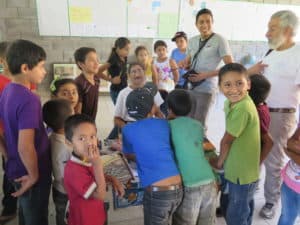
[(276, 43)]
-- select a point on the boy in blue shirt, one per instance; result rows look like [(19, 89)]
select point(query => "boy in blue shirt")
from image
[(199, 201), (148, 140)]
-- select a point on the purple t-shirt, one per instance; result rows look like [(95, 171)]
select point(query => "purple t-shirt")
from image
[(21, 109)]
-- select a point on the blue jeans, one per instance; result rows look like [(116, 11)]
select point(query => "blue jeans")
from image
[(290, 202), (60, 200), (160, 206), (33, 204), (240, 203), (198, 206)]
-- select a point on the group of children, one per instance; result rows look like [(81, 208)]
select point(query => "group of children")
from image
[(179, 182)]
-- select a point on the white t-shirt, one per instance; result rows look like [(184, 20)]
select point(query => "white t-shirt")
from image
[(60, 154), (283, 72), (121, 110)]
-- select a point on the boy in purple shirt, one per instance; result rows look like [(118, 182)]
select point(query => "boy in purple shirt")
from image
[(28, 157)]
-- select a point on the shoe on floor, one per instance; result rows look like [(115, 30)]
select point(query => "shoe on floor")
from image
[(267, 211)]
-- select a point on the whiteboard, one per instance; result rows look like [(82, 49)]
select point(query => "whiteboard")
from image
[(159, 19), (53, 20)]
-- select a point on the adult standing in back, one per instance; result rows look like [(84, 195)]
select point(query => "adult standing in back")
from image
[(214, 49), (282, 68)]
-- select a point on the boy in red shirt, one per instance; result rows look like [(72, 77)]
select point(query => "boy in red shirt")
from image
[(87, 191)]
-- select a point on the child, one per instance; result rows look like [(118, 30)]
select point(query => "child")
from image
[(55, 112), (136, 75), (143, 57), (259, 91), (179, 54), (116, 67), (9, 202), (87, 191), (167, 68), (28, 156), (240, 145), (147, 140), (199, 200), (66, 89), (88, 84), (290, 189)]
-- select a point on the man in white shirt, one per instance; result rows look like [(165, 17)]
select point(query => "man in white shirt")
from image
[(282, 68)]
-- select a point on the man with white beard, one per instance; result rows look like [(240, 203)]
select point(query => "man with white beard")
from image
[(282, 68)]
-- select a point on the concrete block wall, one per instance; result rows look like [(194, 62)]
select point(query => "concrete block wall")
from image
[(18, 19)]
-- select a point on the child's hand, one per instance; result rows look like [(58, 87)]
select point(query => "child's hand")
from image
[(214, 162), (93, 154), (116, 80), (118, 187)]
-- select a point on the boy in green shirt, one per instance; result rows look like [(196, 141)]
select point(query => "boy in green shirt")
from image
[(240, 145), (199, 202)]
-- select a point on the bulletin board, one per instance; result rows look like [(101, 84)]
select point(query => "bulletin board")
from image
[(159, 19)]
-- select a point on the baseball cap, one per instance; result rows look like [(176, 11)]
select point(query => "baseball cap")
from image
[(179, 34), (139, 103)]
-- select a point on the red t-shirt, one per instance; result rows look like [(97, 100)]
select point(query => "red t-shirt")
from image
[(3, 82), (264, 118), (79, 181)]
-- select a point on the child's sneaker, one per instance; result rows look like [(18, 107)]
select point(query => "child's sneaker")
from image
[(267, 211)]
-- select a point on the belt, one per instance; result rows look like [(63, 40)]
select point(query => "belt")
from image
[(282, 110), (164, 188)]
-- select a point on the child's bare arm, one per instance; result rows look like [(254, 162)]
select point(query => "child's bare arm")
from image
[(78, 108), (154, 74), (28, 156), (2, 145), (101, 70), (267, 143), (174, 70), (94, 157), (224, 148), (119, 122), (293, 144)]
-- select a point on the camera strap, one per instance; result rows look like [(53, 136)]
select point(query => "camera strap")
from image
[(201, 46)]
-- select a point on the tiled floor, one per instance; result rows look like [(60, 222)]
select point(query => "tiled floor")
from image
[(134, 215)]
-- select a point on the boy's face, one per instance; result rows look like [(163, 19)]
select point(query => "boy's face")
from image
[(204, 24), (142, 56), (36, 74), (181, 43), (161, 51), (4, 65), (91, 63), (137, 76), (123, 52), (84, 137), (69, 92), (234, 86)]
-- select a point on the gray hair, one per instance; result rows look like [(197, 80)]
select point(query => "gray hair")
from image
[(287, 19)]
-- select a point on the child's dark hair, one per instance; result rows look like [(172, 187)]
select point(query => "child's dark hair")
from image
[(74, 121), (120, 43), (135, 64), (81, 53), (179, 101), (24, 52), (204, 11), (140, 48), (57, 84), (160, 43), (55, 112), (260, 88), (3, 49), (232, 67)]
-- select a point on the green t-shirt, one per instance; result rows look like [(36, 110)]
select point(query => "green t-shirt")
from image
[(242, 163), (187, 140)]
